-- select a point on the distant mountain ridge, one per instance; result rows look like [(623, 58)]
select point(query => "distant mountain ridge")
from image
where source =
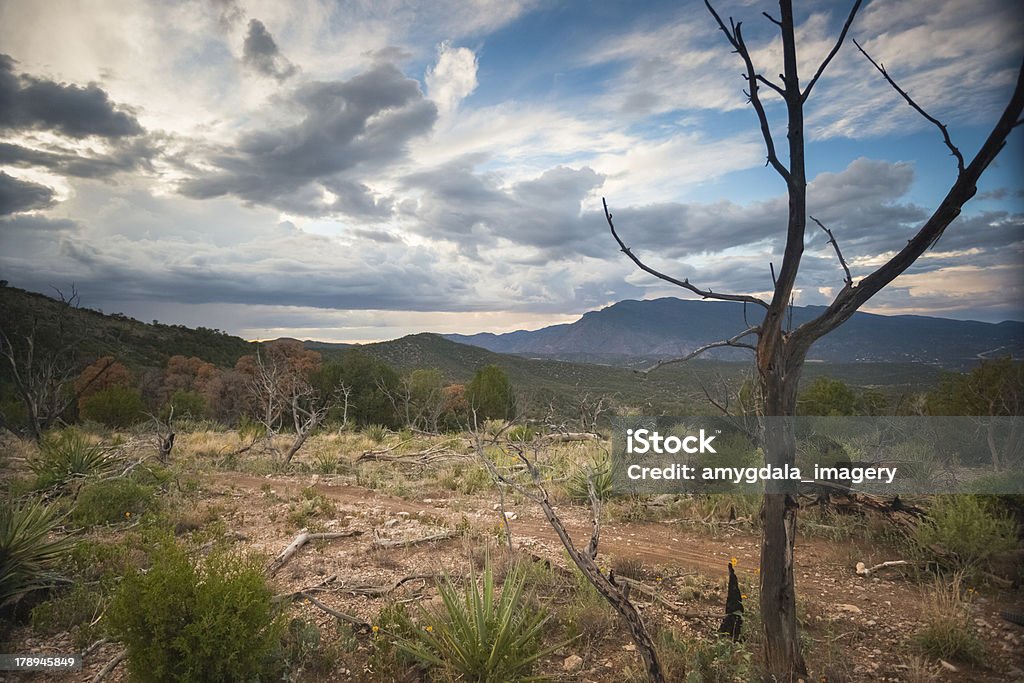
[(631, 332)]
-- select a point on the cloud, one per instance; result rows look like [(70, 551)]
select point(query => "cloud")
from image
[(475, 210), (348, 130), (261, 54), (29, 103), (19, 195), (452, 78)]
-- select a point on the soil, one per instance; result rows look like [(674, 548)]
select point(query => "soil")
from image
[(860, 622)]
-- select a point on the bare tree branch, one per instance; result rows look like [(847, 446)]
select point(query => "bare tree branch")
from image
[(731, 341), (835, 49), (850, 299), (938, 124), (835, 245), (685, 283), (735, 37), (771, 85)]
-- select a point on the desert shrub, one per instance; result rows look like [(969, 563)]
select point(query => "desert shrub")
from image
[(186, 404), (28, 556), (587, 618), (706, 660), (478, 635), (522, 433), (115, 407), (112, 500), (599, 470), (947, 632), (65, 455), (310, 506), (185, 621), (73, 610), (964, 531), (375, 433)]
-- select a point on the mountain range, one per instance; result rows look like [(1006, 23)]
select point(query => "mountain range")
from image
[(633, 333)]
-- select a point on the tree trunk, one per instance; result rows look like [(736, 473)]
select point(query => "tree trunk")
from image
[(778, 523)]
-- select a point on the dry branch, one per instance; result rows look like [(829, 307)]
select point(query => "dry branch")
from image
[(733, 342), (356, 622), (379, 591), (109, 666), (864, 570), (685, 283), (407, 542), (931, 119), (835, 245), (301, 540)]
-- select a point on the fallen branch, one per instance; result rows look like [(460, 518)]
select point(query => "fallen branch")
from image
[(378, 591), (301, 540), (655, 595), (407, 542), (356, 622), (864, 570), (569, 437), (109, 666)]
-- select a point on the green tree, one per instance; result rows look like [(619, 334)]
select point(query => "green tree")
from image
[(995, 387), (368, 382), (489, 393), (114, 407), (828, 397)]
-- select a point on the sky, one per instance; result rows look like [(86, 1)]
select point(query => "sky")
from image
[(361, 170)]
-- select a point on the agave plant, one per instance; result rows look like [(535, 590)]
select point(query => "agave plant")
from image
[(66, 455), (28, 556), (479, 636)]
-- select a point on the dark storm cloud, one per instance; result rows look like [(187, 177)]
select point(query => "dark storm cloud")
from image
[(260, 53), (125, 155), (29, 103), (19, 195), (349, 129), (474, 210)]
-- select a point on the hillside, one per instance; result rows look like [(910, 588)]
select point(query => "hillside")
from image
[(637, 332), (132, 341)]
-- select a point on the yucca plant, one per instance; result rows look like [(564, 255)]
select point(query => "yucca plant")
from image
[(28, 556), (66, 455), (599, 469), (479, 636)]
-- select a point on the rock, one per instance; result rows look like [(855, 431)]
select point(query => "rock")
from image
[(851, 609), (390, 523), (947, 666), (572, 663), (511, 515)]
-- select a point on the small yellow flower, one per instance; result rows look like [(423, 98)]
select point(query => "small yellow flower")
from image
[(658, 579), (375, 628), (429, 628), (744, 597), (734, 562), (757, 570), (128, 514)]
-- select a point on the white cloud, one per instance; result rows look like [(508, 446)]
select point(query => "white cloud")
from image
[(452, 78)]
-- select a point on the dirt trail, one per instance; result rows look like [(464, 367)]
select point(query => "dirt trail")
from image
[(656, 544)]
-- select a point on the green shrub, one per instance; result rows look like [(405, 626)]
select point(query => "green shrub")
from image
[(73, 610), (478, 636), (599, 470), (375, 433), (28, 556), (964, 531), (188, 405), (182, 621), (66, 455), (522, 433), (110, 501), (115, 407)]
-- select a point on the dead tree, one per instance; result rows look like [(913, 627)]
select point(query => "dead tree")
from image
[(780, 352), (586, 560), (282, 390), (43, 359)]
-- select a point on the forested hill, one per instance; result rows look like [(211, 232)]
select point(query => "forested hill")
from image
[(99, 334)]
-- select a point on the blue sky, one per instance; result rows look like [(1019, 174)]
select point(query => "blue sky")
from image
[(355, 171)]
